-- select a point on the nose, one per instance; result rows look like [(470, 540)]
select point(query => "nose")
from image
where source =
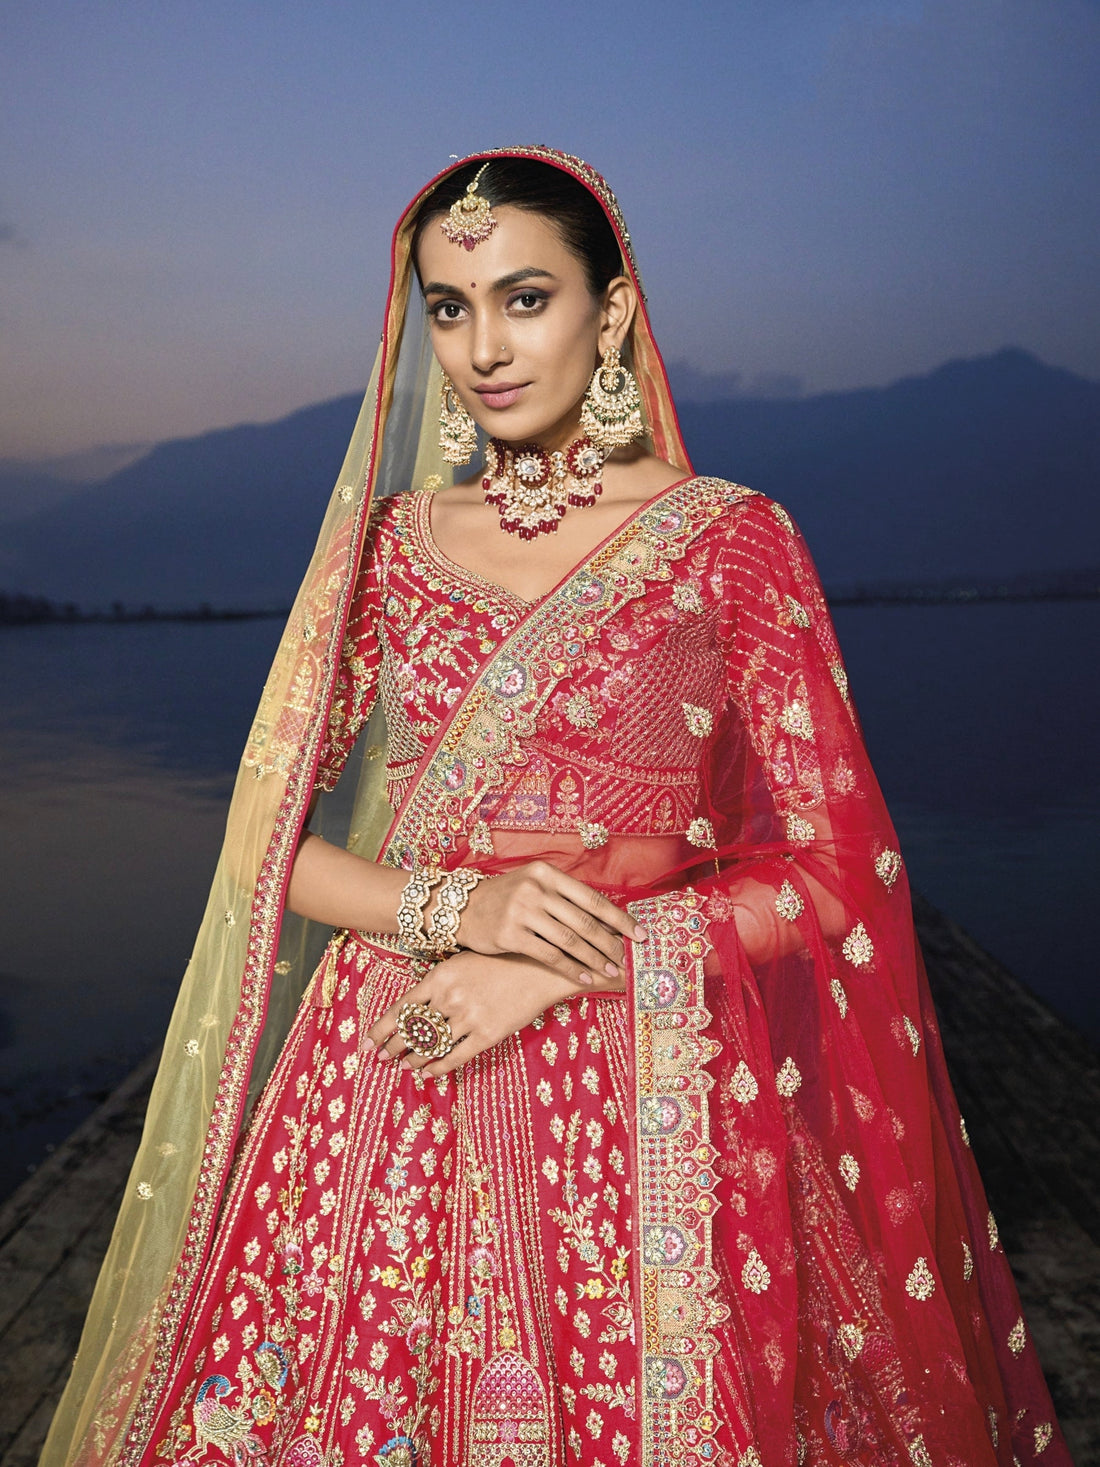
[(489, 346)]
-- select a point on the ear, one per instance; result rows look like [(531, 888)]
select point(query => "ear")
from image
[(620, 301)]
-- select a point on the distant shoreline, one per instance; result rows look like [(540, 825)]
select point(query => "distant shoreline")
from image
[(25, 611)]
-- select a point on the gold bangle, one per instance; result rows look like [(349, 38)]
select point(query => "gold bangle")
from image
[(442, 934), (410, 909)]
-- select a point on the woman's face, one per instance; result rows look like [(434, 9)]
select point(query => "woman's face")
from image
[(516, 328)]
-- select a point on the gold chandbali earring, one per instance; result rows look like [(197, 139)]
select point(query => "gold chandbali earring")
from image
[(457, 430), (611, 415), (469, 220), (532, 488)]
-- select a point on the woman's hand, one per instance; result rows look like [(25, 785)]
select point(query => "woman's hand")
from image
[(538, 912), (484, 999)]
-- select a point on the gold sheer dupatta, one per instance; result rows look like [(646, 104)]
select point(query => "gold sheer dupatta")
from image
[(252, 959)]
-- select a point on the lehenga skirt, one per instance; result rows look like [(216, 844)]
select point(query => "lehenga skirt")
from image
[(409, 1271)]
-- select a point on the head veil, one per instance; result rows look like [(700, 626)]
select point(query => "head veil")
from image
[(252, 959)]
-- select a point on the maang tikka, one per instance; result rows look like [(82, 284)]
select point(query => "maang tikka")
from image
[(457, 430), (611, 415), (470, 218)]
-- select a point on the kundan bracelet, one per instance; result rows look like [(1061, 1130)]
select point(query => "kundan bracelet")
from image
[(445, 919), (441, 936)]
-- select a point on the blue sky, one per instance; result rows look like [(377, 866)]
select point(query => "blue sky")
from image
[(196, 197)]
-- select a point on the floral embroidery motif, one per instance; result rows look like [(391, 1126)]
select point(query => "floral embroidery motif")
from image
[(593, 836), (1017, 1336), (888, 867), (912, 1033), (857, 947), (1044, 1435), (836, 988), (851, 1340), (580, 712), (800, 831), (798, 613), (788, 903), (920, 1284), (968, 1261), (742, 1084), (788, 1078), (701, 832), (700, 721), (756, 1275), (849, 1170), (687, 596), (994, 1236), (963, 1132), (840, 677), (796, 720)]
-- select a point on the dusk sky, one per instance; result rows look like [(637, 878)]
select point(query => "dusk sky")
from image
[(196, 198)]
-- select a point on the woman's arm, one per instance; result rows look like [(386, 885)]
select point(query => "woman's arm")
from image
[(534, 912)]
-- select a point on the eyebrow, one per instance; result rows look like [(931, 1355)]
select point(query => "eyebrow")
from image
[(506, 282)]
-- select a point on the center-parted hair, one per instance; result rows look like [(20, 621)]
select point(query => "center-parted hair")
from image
[(539, 188)]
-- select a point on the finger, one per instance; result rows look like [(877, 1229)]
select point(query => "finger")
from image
[(600, 907), (590, 930), (465, 1049), (563, 936), (531, 945)]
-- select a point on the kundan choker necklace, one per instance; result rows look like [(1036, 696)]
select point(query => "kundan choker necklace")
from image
[(532, 488)]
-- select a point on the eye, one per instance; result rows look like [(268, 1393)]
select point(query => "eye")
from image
[(527, 302), (445, 311)]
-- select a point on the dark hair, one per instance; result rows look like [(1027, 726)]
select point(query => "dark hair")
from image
[(540, 188)]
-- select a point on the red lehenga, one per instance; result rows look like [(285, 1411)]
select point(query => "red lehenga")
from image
[(729, 1217)]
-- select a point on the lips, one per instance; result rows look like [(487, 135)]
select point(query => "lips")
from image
[(500, 394)]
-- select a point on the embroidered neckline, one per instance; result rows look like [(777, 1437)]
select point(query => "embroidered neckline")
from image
[(418, 524), (421, 525)]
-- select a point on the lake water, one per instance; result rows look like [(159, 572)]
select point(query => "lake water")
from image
[(119, 746)]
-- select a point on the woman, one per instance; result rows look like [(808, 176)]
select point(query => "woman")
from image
[(614, 1126)]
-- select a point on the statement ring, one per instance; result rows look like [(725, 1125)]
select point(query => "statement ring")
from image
[(425, 1030)]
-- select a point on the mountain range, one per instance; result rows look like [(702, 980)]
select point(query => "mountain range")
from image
[(982, 468)]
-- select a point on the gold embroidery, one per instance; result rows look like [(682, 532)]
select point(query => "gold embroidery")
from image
[(888, 867), (788, 903), (687, 596), (918, 1453), (993, 1432), (840, 677), (851, 1339), (787, 1079), (580, 712), (837, 990), (849, 1170), (756, 1275), (912, 1033), (1017, 1336), (799, 615), (743, 1086), (701, 832), (782, 516), (968, 1260), (481, 839), (750, 1457), (1044, 1435), (858, 947), (700, 721), (920, 1284), (964, 1132), (676, 1180), (994, 1236), (796, 720), (593, 836), (800, 831), (144, 1191)]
